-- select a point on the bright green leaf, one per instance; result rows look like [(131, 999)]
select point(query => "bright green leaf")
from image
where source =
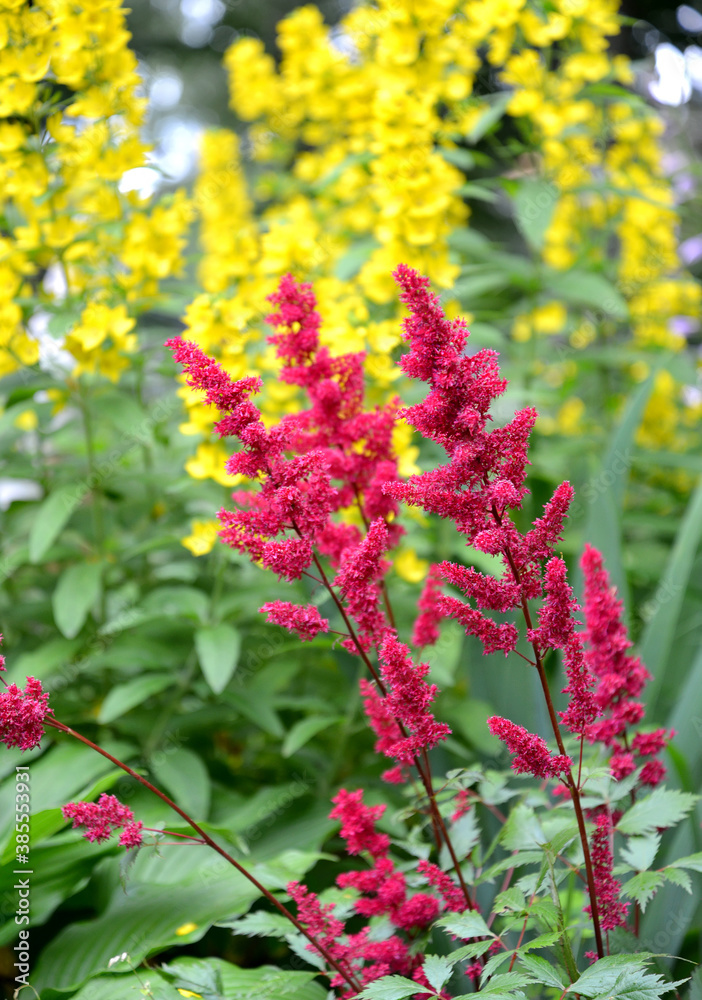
[(303, 731), (438, 970), (185, 778), (218, 648), (51, 517), (76, 592), (661, 809), (124, 697)]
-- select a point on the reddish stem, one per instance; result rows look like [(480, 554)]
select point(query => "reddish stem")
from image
[(211, 843)]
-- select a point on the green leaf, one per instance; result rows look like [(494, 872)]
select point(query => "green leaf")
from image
[(663, 612), (124, 697), (643, 887), (691, 861), (185, 778), (261, 924), (543, 971), (51, 517), (303, 731), (466, 925), (621, 976), (438, 971), (678, 876), (177, 602), (534, 204), (389, 988), (640, 852), (522, 831), (661, 809), (76, 592), (588, 289), (218, 648), (232, 983), (497, 105)]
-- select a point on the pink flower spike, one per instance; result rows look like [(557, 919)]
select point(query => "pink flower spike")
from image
[(426, 627), (531, 753), (450, 892), (358, 824), (305, 621), (612, 912), (102, 818), (22, 714)]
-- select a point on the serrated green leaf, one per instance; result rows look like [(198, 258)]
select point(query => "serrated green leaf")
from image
[(122, 698), (78, 589), (620, 976), (51, 517), (389, 988), (218, 648), (466, 925), (661, 809), (543, 971), (643, 887), (640, 852), (522, 831), (261, 924), (303, 731), (437, 969), (691, 861), (678, 876)]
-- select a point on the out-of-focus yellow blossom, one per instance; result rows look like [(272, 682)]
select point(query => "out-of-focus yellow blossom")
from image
[(202, 538), (409, 566), (27, 421), (570, 416), (661, 417), (209, 462), (59, 177)]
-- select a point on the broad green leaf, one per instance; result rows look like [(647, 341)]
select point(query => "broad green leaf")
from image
[(661, 809), (177, 602), (466, 925), (586, 288), (643, 887), (126, 696), (51, 517), (185, 778), (255, 706), (146, 920), (438, 970), (640, 852), (76, 592), (534, 203), (44, 662), (303, 731), (218, 649), (389, 988), (119, 987), (266, 981), (664, 609)]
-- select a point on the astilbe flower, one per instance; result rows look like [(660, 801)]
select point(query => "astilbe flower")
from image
[(408, 698), (102, 818), (531, 755), (383, 892), (483, 479), (620, 680), (311, 465), (306, 622), (556, 630), (384, 725), (22, 714), (425, 631), (607, 888)]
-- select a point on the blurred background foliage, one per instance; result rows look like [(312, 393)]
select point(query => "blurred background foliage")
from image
[(551, 190)]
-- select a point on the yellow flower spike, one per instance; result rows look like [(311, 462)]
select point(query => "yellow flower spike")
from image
[(208, 463), (188, 993), (410, 567), (570, 416)]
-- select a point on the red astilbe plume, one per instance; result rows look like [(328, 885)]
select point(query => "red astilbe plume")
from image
[(102, 818), (484, 477), (385, 726), (359, 581), (621, 679), (306, 622), (607, 888), (556, 630), (531, 755), (425, 631), (408, 698), (22, 714)]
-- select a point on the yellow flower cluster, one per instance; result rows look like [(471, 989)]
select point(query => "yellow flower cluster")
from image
[(69, 129)]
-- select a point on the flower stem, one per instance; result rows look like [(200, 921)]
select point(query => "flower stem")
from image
[(211, 843)]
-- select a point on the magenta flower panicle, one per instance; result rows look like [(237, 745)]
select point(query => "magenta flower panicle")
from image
[(305, 621), (607, 888), (531, 755), (102, 818), (22, 714)]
